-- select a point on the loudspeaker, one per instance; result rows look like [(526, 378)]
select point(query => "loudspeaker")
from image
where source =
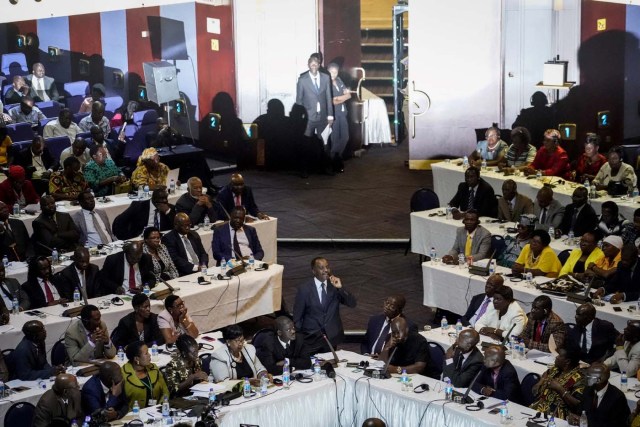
[(161, 81)]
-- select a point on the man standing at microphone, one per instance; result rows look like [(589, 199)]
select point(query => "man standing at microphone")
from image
[(316, 312)]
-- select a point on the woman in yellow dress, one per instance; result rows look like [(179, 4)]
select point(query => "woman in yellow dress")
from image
[(537, 257)]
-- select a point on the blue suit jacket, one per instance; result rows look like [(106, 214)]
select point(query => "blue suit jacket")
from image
[(226, 199), (26, 364), (373, 330), (223, 248), (93, 398)]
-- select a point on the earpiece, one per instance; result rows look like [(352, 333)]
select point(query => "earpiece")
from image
[(421, 388), (473, 408)]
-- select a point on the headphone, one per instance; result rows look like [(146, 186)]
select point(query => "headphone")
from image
[(204, 346), (300, 378), (363, 364), (117, 301), (474, 408), (421, 388)]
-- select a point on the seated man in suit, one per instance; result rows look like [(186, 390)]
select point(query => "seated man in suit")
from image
[(141, 214), (236, 239), (79, 150), (627, 355), (62, 126), (471, 240), (88, 339), (604, 404), (92, 224), (548, 210), (10, 289), (379, 326), (81, 275), (542, 324), (406, 350), (52, 229), (127, 271), (498, 378), (36, 161), (15, 243), (185, 246), (594, 337), (513, 204), (62, 402), (624, 285), (17, 189), (579, 217), (40, 289), (463, 360), (196, 204), (29, 359), (482, 302), (273, 347), (104, 391), (474, 193), (237, 194), (44, 86), (19, 89)]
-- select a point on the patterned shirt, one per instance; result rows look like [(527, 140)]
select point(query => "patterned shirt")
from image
[(522, 159), (630, 234), (177, 371), (94, 174), (87, 123), (58, 183), (141, 176), (573, 381), (19, 117)]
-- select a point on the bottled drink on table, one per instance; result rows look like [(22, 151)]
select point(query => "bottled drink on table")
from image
[(55, 258), (252, 262), (76, 297), (16, 305), (223, 266), (584, 421), (154, 352), (444, 325), (286, 378), (121, 355), (552, 422), (458, 327), (624, 382), (5, 262), (448, 390), (432, 254), (166, 409), (136, 409), (246, 389), (212, 397), (504, 413)]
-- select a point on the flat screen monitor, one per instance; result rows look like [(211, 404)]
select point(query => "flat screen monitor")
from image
[(567, 131)]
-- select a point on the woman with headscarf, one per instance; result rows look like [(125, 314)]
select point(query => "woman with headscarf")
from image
[(150, 171)]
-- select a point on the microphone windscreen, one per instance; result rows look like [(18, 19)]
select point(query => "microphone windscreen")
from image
[(331, 373)]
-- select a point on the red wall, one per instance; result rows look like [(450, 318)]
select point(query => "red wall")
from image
[(85, 34), (593, 10), (138, 48), (216, 69), (340, 33)]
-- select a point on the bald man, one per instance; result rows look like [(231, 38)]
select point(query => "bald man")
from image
[(604, 404), (29, 359), (463, 360), (61, 402), (105, 391), (595, 337), (379, 326), (373, 422), (498, 377), (513, 204), (274, 347), (185, 246), (405, 349), (44, 86), (548, 210), (198, 205), (236, 193), (481, 303)]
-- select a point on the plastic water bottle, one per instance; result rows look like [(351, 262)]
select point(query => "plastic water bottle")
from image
[(74, 423), (404, 379), (552, 422), (286, 378), (223, 266), (211, 379), (166, 410), (212, 397), (16, 209), (136, 409), (2, 389), (76, 297), (552, 233), (5, 262), (571, 238), (462, 260), (516, 349), (504, 413), (523, 350), (206, 221), (492, 267), (140, 192), (484, 165), (444, 325), (635, 193), (55, 258), (587, 186), (246, 389), (624, 382), (16, 305), (172, 186), (146, 290), (145, 191), (316, 368), (539, 175), (465, 163), (252, 262), (120, 355), (154, 352), (458, 327), (449, 212), (584, 421), (448, 390), (264, 385), (203, 269), (432, 254), (87, 421), (529, 278)]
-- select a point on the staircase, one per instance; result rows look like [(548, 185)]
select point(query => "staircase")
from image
[(377, 60)]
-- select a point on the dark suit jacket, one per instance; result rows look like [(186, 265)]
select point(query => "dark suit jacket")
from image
[(474, 305), (126, 332), (373, 330), (49, 86), (67, 281), (523, 205), (223, 248), (624, 281), (587, 220), (13, 97), (24, 158), (187, 204), (61, 233), (603, 335), (173, 241), (226, 198), (93, 398), (18, 236), (484, 199), (13, 286), (50, 407), (612, 411), (27, 364), (508, 385), (37, 298), (112, 274), (461, 376), (270, 351), (311, 317), (131, 222)]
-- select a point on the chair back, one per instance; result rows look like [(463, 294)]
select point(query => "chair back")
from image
[(58, 353), (526, 387), (564, 256), (79, 88), (8, 360), (423, 200), (18, 146), (497, 245), (570, 326), (112, 103), (14, 64), (20, 414), (20, 131), (49, 108), (79, 116), (5, 89), (56, 146), (436, 355)]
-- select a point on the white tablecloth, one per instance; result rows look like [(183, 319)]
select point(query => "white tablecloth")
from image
[(376, 120), (451, 288), (447, 176)]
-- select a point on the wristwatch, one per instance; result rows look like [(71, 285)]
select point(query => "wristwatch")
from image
[(399, 370)]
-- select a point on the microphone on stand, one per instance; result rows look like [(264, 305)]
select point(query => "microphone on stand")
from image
[(505, 340), (335, 356), (385, 373)]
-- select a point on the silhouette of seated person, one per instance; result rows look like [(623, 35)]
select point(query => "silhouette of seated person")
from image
[(276, 130), (537, 118)]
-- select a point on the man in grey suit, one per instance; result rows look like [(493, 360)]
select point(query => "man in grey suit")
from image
[(88, 338), (9, 289), (480, 240), (93, 224), (512, 204), (313, 92), (548, 210), (44, 86)]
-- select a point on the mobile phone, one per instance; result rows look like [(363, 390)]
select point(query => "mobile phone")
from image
[(495, 411), (210, 339), (617, 309)]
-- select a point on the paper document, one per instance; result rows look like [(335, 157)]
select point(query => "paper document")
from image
[(325, 134), (206, 386), (173, 174)]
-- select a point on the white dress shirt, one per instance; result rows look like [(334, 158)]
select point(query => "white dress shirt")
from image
[(319, 288), (243, 241), (93, 237)]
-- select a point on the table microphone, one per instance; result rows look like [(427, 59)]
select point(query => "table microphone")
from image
[(335, 356), (465, 396), (505, 340)]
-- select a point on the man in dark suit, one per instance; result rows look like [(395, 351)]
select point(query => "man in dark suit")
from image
[(93, 224), (481, 302), (10, 289), (236, 238), (113, 401), (14, 239), (127, 271), (624, 285), (19, 89), (185, 246), (548, 210), (594, 337), (44, 86), (474, 193), (542, 324), (317, 306), (37, 163), (579, 216), (463, 360), (62, 402), (273, 347), (140, 214), (498, 378), (513, 204), (81, 275), (379, 326), (28, 361), (406, 350), (196, 204), (237, 194), (53, 229), (40, 290), (604, 404)]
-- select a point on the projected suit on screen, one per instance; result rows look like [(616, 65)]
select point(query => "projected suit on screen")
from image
[(313, 92)]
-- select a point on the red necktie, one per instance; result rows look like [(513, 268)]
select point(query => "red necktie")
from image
[(47, 292), (132, 277), (238, 202), (538, 335)]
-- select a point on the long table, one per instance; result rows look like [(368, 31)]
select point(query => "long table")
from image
[(432, 229), (447, 176), (452, 287)]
